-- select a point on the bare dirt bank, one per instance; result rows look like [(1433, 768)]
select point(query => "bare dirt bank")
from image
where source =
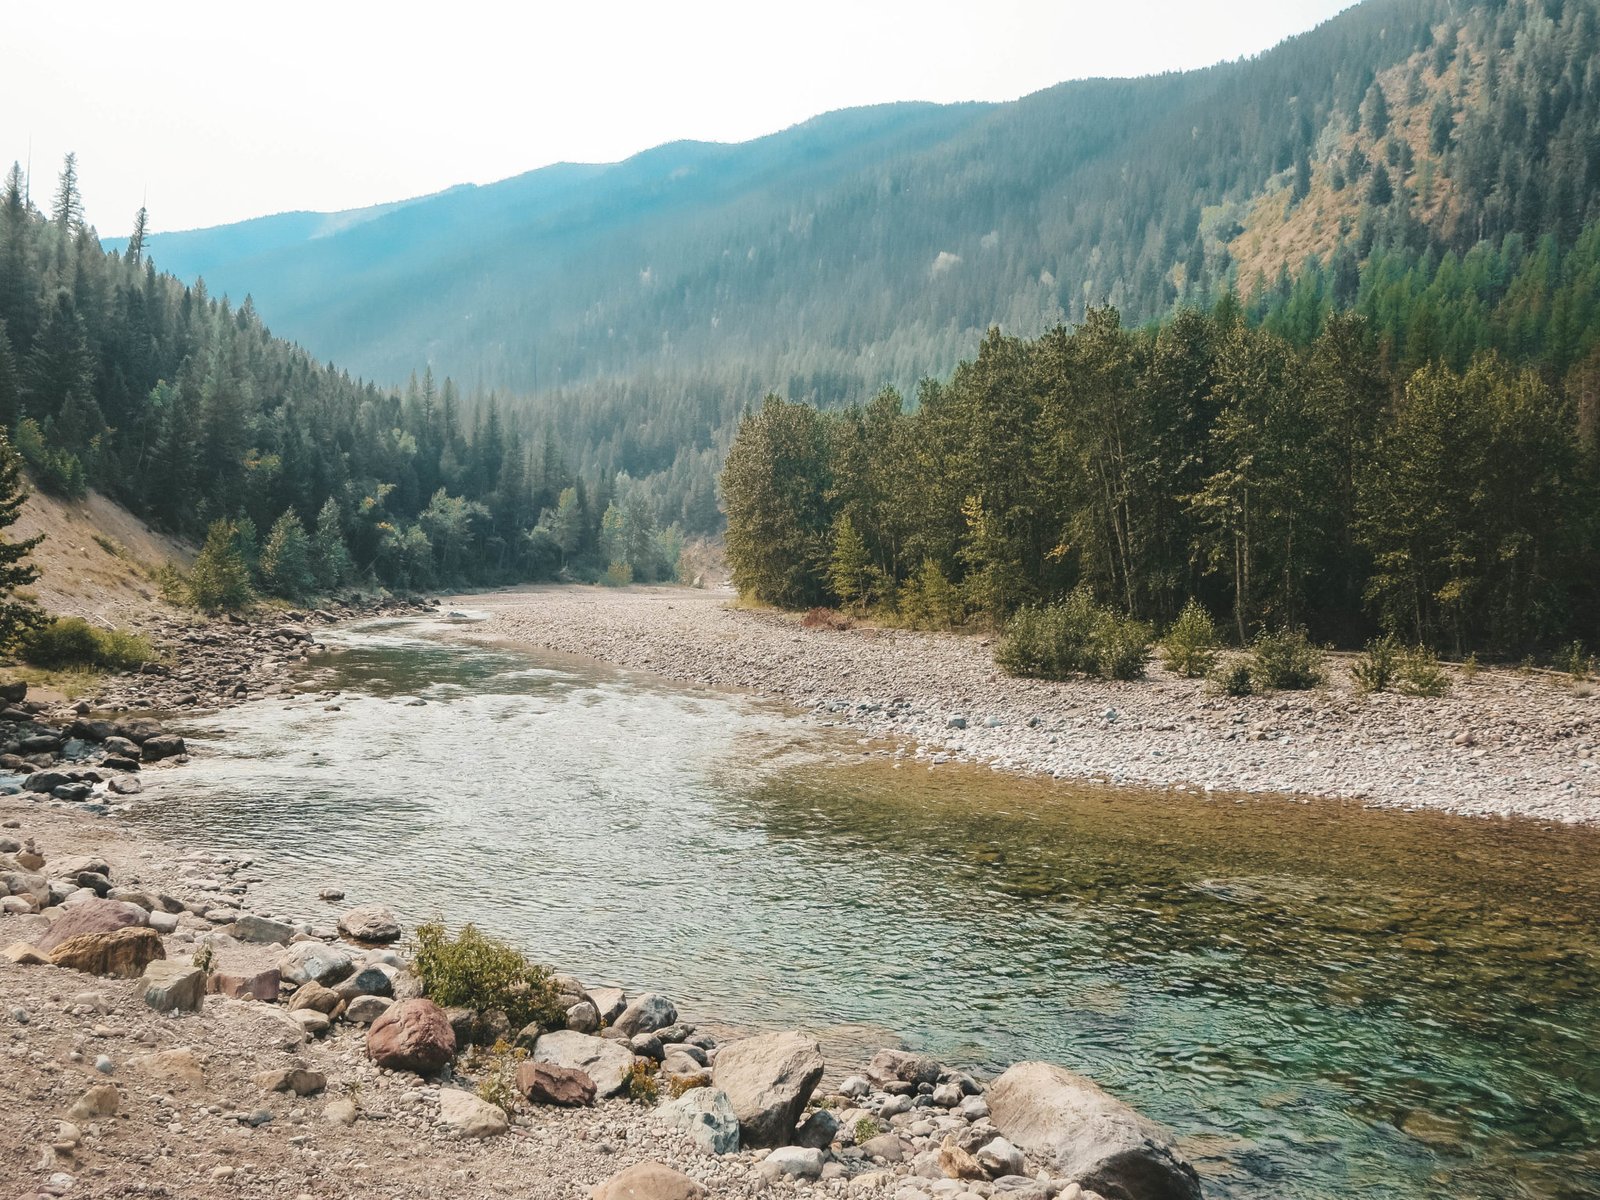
[(1500, 744)]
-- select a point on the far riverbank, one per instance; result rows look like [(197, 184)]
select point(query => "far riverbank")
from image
[(1501, 744)]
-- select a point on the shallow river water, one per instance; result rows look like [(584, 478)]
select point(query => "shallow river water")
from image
[(1321, 1001)]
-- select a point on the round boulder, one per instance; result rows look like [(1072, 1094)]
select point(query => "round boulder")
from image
[(413, 1035)]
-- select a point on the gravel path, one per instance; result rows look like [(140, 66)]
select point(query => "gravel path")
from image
[(1503, 743)]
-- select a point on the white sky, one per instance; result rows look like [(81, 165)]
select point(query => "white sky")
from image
[(219, 111)]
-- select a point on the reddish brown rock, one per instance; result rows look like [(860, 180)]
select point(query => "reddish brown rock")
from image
[(91, 916), (316, 997), (546, 1083), (414, 1035), (262, 985), (124, 953)]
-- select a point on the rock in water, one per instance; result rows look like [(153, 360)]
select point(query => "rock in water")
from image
[(124, 953), (649, 1181), (546, 1083), (768, 1079), (371, 923), (706, 1115), (413, 1035), (469, 1116), (170, 985), (1087, 1136), (646, 1014), (607, 1063)]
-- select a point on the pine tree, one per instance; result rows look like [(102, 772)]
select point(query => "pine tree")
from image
[(330, 557), (286, 559), (849, 567), (136, 239), (17, 616), (219, 580)]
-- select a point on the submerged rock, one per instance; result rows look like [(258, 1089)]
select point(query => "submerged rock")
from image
[(1087, 1136)]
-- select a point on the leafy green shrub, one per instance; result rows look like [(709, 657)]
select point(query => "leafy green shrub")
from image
[(1190, 647), (1285, 660), (1234, 679), (618, 574), (1470, 666), (499, 1067), (73, 642), (1375, 670), (475, 971), (1420, 673), (59, 472), (1074, 637)]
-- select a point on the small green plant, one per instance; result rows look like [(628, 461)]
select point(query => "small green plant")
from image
[(499, 1067), (203, 958), (1285, 660), (1469, 666), (1374, 671), (473, 970), (1234, 679), (72, 642), (867, 1128), (1190, 647), (1074, 637), (1420, 673), (677, 1085), (1576, 662), (641, 1086)]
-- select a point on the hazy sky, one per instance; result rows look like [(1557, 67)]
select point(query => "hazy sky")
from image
[(220, 111)]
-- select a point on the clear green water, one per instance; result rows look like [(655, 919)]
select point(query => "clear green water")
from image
[(1320, 1000)]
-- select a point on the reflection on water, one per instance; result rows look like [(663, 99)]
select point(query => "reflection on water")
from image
[(1323, 1001)]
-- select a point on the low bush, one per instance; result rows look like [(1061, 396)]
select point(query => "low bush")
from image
[(1285, 660), (67, 642), (928, 600), (473, 970), (1575, 661), (867, 1128), (642, 1086), (1190, 647), (1375, 669), (618, 574), (1074, 637), (1420, 674), (1233, 678)]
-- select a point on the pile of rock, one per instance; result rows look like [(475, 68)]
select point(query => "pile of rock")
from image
[(745, 1108)]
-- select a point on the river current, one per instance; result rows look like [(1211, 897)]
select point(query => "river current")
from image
[(1321, 1001)]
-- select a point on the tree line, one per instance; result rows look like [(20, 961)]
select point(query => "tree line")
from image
[(1282, 483), (188, 411)]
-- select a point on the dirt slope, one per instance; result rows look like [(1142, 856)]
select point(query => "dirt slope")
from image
[(98, 561)]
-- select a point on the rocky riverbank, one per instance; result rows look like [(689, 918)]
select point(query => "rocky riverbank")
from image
[(163, 1037), (1501, 744)]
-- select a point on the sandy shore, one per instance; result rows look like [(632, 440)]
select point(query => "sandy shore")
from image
[(1501, 744)]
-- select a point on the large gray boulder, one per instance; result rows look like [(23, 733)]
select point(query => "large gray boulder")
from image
[(768, 1079), (706, 1116), (1086, 1136), (315, 962), (647, 1013), (606, 1062)]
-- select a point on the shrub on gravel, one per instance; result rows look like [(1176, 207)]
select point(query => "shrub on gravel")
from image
[(1374, 670), (73, 642), (473, 970), (1190, 647), (1420, 673), (1285, 660), (1074, 637)]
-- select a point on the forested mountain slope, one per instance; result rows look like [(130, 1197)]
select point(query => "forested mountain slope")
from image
[(874, 246)]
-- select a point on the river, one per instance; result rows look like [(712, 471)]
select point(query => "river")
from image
[(1321, 1001)]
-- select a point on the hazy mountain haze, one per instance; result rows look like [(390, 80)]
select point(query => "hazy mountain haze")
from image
[(327, 107)]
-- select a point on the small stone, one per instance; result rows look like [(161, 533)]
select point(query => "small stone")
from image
[(648, 1181), (98, 1101), (170, 985), (471, 1117), (546, 1083), (292, 1079), (340, 1112), (104, 1065), (1000, 1157), (706, 1116), (793, 1162)]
